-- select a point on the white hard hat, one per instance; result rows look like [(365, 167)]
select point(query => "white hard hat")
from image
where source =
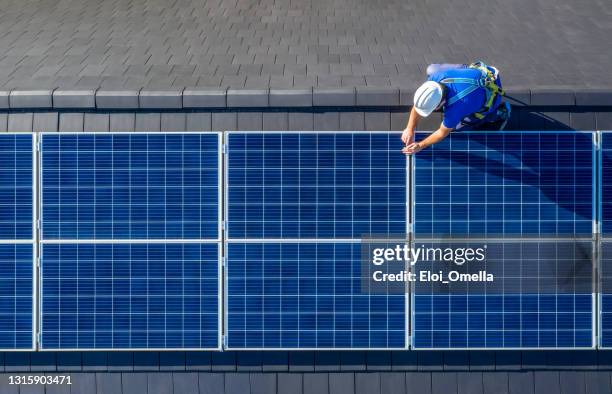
[(427, 98)]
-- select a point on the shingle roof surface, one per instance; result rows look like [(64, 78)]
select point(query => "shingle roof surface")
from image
[(157, 44)]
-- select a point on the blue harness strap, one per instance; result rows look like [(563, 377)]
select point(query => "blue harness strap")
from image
[(474, 86)]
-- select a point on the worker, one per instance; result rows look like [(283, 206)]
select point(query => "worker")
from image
[(470, 97)]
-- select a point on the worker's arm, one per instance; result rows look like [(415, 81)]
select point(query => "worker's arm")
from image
[(433, 138), (408, 134)]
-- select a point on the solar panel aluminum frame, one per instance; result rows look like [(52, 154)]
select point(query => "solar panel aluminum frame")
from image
[(228, 240), (596, 190), (32, 241), (218, 241)]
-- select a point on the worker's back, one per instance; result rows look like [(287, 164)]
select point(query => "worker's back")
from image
[(466, 106)]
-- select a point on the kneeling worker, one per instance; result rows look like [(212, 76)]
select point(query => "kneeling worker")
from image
[(470, 97)]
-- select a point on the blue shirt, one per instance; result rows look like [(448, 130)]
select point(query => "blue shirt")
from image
[(470, 104)]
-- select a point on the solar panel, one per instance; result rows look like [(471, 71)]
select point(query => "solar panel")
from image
[(16, 241), (606, 184), (518, 184), (130, 296), (16, 296), (130, 186), (130, 228), (307, 295), (605, 300), (16, 187), (315, 185), (541, 296)]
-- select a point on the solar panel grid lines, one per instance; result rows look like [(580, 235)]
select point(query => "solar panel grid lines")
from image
[(560, 194), (306, 296), (16, 186), (17, 299), (122, 296), (520, 184), (338, 171), (457, 223), (605, 294), (131, 178), (322, 185), (155, 193), (546, 299), (17, 243), (605, 184), (605, 234)]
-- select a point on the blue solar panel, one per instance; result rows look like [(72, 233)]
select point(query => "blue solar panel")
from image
[(130, 186), (519, 184), (307, 295), (542, 296), (16, 292), (605, 304), (606, 183), (16, 186), (315, 185), (130, 296)]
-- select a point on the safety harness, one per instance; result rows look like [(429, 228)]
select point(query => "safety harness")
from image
[(488, 77)]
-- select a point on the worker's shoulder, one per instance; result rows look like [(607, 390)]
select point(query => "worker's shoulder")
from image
[(455, 73)]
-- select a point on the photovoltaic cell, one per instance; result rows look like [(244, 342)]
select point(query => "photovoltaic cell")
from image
[(16, 186), (315, 185), (509, 183), (605, 305), (130, 296), (130, 186), (606, 184), (307, 295), (16, 292), (542, 296)]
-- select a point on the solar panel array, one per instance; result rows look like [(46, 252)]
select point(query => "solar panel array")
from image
[(130, 232), (131, 241), (16, 242), (301, 201), (505, 184)]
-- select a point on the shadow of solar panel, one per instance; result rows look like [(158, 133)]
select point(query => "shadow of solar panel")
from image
[(541, 296), (518, 184), (16, 186), (130, 296), (315, 185), (16, 292), (307, 295), (130, 186)]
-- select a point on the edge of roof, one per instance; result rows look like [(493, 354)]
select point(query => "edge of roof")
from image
[(220, 98)]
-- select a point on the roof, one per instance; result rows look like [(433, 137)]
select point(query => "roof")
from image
[(165, 47)]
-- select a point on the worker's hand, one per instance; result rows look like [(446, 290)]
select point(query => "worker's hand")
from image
[(412, 148), (408, 136)]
